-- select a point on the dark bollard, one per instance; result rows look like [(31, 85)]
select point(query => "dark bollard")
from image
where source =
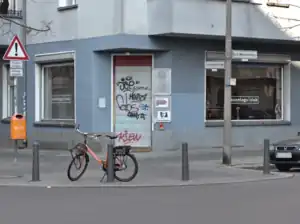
[(110, 164), (36, 161), (185, 162), (266, 165)]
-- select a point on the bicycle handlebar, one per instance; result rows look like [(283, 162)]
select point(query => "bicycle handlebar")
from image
[(93, 135)]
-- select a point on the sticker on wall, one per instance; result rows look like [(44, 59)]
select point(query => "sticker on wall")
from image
[(161, 102), (164, 116)]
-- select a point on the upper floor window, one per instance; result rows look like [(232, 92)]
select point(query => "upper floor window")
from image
[(64, 3)]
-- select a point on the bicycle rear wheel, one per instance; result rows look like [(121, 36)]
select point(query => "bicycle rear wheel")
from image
[(121, 165), (80, 163)]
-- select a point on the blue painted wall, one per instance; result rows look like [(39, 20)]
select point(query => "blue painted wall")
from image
[(186, 58)]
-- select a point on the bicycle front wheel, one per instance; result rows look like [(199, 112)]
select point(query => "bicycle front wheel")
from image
[(79, 163), (126, 167)]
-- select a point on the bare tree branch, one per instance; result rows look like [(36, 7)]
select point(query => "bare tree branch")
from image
[(46, 25)]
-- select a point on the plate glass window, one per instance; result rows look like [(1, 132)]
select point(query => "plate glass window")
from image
[(256, 96), (58, 92)]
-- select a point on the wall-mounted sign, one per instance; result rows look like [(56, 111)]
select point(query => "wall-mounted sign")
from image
[(214, 65), (161, 81), (161, 102), (164, 116), (243, 54)]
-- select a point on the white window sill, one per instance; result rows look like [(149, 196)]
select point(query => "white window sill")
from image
[(68, 7), (248, 123)]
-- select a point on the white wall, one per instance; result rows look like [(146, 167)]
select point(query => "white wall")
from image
[(94, 18), (97, 18)]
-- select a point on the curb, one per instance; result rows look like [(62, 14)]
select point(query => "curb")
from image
[(272, 176)]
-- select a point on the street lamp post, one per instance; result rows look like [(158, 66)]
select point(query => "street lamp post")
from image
[(227, 131)]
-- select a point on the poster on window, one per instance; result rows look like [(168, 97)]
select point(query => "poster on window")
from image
[(245, 100), (133, 105), (62, 98)]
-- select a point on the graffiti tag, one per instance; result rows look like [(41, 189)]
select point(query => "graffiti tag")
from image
[(129, 137)]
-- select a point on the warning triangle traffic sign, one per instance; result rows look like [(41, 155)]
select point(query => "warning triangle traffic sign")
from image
[(16, 51)]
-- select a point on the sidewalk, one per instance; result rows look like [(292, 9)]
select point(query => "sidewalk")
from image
[(194, 154), (152, 172)]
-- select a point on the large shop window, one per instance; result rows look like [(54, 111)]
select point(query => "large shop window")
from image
[(256, 96), (57, 92), (8, 91)]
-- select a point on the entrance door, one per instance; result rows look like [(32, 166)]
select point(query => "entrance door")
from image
[(132, 101)]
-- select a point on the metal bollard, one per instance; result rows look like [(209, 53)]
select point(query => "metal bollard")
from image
[(266, 164), (16, 150), (110, 164), (36, 161), (185, 174)]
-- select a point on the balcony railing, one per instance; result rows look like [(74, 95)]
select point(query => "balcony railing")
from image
[(11, 13), (9, 8)]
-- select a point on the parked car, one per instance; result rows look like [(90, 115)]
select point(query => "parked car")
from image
[(285, 154)]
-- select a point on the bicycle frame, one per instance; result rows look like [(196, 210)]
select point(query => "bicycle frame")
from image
[(88, 149), (91, 152)]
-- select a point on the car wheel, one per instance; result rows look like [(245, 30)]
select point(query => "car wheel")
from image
[(283, 167)]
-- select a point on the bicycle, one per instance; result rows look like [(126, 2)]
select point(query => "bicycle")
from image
[(81, 157)]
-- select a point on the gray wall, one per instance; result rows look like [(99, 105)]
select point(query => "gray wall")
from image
[(186, 58)]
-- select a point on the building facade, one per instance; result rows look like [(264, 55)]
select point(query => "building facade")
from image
[(102, 62), (11, 15)]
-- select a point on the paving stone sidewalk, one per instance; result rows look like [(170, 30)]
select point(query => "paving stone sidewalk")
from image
[(161, 172)]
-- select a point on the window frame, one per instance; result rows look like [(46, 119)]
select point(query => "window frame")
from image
[(7, 98), (41, 83), (285, 79)]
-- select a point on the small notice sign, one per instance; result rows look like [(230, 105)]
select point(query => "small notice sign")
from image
[(164, 116)]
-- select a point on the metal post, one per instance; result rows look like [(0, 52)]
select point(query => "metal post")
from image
[(24, 41), (110, 164), (16, 150), (35, 161), (266, 165), (227, 150), (185, 174)]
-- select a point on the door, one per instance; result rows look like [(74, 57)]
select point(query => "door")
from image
[(132, 101)]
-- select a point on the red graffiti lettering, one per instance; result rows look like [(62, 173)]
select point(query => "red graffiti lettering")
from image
[(129, 137)]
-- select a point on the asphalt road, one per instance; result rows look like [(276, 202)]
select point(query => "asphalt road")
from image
[(273, 202)]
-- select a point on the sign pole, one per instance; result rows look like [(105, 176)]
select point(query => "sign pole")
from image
[(23, 39), (227, 131)]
